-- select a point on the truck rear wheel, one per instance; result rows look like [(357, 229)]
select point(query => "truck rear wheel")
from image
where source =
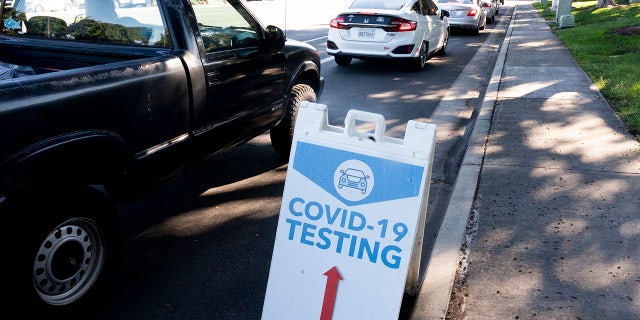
[(74, 253), (282, 134)]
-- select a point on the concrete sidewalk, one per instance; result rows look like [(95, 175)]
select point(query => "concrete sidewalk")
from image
[(544, 220)]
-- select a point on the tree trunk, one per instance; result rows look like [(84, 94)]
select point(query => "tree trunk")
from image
[(605, 3)]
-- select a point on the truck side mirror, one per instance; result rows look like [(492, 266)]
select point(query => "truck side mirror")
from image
[(274, 37)]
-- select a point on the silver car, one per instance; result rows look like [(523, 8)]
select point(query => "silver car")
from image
[(491, 7), (465, 14)]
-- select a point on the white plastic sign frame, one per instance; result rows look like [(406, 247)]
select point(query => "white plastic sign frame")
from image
[(350, 229)]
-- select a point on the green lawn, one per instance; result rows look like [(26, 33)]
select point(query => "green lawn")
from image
[(606, 44)]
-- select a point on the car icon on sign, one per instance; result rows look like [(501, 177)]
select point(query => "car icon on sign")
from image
[(353, 178)]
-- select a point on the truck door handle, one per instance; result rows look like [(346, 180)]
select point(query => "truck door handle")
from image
[(213, 78)]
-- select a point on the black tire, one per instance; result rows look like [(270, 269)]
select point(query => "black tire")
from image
[(420, 62), (343, 60), (282, 134), (71, 251), (442, 51)]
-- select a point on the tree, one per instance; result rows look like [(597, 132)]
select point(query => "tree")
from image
[(605, 3)]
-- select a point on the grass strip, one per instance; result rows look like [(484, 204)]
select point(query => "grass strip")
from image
[(606, 44)]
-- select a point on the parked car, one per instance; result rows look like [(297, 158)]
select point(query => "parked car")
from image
[(491, 7), (465, 14), (413, 30)]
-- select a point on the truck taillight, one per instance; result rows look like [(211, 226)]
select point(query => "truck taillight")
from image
[(337, 23), (399, 25)]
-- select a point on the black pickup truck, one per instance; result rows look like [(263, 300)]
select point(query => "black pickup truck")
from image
[(101, 103)]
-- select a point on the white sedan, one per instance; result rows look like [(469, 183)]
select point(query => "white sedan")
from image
[(413, 30)]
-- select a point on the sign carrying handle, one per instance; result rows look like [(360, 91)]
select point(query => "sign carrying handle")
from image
[(356, 116)]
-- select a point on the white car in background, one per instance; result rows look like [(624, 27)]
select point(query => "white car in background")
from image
[(412, 30)]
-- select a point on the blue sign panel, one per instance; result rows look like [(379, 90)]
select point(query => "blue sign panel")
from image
[(355, 178)]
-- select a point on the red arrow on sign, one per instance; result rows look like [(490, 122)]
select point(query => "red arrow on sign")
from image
[(333, 276)]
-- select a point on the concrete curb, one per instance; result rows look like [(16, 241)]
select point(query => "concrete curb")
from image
[(446, 255)]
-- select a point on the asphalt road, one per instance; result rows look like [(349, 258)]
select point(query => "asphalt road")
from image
[(200, 247)]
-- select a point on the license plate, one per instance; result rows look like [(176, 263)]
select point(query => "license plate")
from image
[(366, 33)]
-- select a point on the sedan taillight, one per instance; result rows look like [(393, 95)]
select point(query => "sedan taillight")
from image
[(337, 23), (400, 25), (472, 12)]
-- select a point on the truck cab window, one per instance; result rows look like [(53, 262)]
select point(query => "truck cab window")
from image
[(222, 27)]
